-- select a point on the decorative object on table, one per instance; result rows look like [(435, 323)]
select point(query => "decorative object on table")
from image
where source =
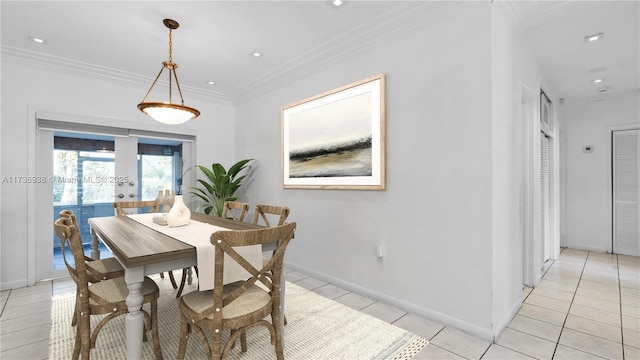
[(179, 214), (219, 186), (336, 140), (168, 112), (165, 200), (160, 219)]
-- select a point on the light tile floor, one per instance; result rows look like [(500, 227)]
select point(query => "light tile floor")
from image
[(586, 307)]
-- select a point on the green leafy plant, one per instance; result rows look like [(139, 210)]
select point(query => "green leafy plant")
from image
[(219, 186)]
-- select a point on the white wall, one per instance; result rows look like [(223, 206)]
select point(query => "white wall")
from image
[(588, 175), (435, 220), (93, 100), (507, 168)]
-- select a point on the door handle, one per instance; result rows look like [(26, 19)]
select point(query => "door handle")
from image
[(120, 196)]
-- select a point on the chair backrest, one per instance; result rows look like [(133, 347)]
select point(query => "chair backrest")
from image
[(235, 210), (69, 236), (120, 206), (279, 213), (271, 271)]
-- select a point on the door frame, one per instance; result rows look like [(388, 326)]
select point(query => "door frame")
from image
[(531, 204), (609, 192), (39, 218)]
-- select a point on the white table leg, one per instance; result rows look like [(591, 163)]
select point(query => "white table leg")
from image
[(95, 249), (134, 321)]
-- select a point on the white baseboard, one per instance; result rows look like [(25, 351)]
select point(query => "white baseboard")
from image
[(15, 284), (481, 332)]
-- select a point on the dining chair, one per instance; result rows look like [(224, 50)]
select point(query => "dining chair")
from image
[(124, 208), (97, 269), (235, 210), (278, 215), (107, 297), (241, 305)]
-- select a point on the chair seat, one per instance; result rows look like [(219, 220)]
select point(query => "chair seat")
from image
[(115, 290), (254, 299), (107, 267)]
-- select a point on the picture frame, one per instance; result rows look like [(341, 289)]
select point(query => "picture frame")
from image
[(336, 140)]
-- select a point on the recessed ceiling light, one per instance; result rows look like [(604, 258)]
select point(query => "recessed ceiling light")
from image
[(38, 40), (594, 37), (337, 3), (256, 54), (211, 82), (597, 81)]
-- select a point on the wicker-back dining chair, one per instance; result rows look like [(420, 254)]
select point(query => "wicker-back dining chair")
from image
[(265, 215), (241, 305), (235, 210), (97, 269), (277, 214), (126, 208), (107, 297)]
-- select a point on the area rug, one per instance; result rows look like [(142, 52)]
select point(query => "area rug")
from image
[(317, 328)]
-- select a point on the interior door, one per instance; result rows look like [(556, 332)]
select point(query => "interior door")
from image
[(626, 204), (545, 198)]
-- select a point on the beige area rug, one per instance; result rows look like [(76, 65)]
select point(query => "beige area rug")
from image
[(318, 328)]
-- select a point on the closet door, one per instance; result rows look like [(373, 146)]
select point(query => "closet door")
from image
[(545, 220), (626, 207)]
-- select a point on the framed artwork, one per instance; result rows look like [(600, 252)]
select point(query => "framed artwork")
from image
[(336, 140)]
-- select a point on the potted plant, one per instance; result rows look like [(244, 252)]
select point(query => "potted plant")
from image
[(219, 186)]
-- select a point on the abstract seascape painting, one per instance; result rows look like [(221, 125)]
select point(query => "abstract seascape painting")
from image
[(336, 140)]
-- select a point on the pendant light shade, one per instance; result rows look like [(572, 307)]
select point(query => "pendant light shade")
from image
[(168, 112)]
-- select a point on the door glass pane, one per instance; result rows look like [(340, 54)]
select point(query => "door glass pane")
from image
[(159, 164), (156, 175), (83, 170)]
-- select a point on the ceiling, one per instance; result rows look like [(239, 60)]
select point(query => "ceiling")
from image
[(126, 40)]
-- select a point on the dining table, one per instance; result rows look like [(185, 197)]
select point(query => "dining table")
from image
[(143, 250)]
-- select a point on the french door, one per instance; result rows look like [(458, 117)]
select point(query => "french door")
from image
[(88, 171)]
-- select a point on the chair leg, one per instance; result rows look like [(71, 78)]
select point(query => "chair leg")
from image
[(182, 282), (173, 280), (184, 335), (275, 320), (74, 319)]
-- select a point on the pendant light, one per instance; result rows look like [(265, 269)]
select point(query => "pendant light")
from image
[(168, 112)]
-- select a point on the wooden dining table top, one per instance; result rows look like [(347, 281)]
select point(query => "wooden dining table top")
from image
[(135, 244)]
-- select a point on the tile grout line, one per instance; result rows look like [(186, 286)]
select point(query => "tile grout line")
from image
[(569, 310), (620, 300)]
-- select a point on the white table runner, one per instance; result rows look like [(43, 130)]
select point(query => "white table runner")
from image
[(198, 234)]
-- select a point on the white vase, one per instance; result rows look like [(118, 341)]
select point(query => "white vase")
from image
[(179, 214)]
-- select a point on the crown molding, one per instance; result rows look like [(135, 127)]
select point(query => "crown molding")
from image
[(379, 30), (61, 64)]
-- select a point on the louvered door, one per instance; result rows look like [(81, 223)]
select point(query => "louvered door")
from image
[(626, 183), (544, 197)]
